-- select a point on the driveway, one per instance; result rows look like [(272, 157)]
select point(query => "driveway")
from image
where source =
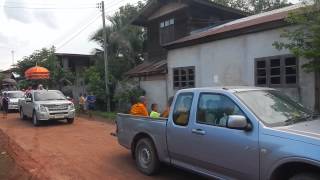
[(83, 150)]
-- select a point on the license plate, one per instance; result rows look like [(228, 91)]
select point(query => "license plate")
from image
[(59, 116)]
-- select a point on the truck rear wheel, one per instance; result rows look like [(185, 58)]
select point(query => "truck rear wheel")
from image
[(146, 157), (305, 176)]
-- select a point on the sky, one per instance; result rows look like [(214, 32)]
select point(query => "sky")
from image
[(29, 25)]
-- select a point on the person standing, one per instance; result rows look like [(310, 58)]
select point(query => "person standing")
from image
[(91, 100), (82, 103), (5, 104)]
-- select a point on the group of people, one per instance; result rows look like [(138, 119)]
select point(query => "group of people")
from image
[(87, 103), (139, 108)]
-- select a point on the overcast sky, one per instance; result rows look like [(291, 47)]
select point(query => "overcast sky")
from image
[(50, 22)]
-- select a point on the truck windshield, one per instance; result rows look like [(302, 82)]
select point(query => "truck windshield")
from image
[(16, 95), (48, 95), (274, 108)]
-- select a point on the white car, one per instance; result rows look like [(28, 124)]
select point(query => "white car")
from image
[(44, 105), (14, 97)]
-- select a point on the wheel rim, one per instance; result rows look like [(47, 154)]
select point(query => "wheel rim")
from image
[(144, 156)]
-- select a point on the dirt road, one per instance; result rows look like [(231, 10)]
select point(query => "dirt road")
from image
[(83, 150)]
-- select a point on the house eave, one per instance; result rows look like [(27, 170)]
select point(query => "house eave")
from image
[(229, 34)]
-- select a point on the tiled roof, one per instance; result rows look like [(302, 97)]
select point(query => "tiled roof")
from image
[(247, 22), (149, 68)]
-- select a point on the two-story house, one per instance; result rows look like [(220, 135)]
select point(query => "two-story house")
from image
[(166, 21)]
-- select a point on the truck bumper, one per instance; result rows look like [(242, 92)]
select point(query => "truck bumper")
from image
[(13, 107), (45, 116)]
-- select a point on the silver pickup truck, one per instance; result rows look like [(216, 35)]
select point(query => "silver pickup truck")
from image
[(44, 105), (228, 133)]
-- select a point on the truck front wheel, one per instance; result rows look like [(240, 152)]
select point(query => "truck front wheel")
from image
[(70, 121), (146, 157)]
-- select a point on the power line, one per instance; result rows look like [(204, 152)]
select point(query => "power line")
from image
[(79, 32), (48, 8), (87, 25)]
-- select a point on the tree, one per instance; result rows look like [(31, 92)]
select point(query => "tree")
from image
[(125, 50), (45, 58), (304, 40), (125, 41), (254, 6)]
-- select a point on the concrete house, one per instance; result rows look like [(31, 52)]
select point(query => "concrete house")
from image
[(240, 53), (167, 21)]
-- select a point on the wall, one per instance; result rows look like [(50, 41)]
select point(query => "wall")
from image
[(155, 92), (230, 62)]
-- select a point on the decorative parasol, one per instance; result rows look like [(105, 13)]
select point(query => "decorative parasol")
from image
[(37, 72)]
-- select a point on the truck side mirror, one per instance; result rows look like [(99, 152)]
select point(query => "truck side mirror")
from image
[(28, 100), (238, 122)]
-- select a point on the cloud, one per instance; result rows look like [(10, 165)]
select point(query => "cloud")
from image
[(46, 18), (26, 16), (18, 14), (3, 39)]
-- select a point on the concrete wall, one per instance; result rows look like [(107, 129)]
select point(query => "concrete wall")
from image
[(155, 92), (230, 62)]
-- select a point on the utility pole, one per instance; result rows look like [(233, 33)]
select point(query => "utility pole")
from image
[(106, 64), (12, 53)]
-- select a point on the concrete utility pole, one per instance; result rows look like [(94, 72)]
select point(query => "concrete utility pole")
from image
[(106, 64), (12, 53)]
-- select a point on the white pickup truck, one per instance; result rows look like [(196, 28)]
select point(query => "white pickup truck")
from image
[(44, 105)]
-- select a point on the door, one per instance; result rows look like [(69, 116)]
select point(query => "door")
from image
[(228, 153), (178, 131)]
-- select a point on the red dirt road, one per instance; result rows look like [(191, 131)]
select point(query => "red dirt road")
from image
[(83, 150)]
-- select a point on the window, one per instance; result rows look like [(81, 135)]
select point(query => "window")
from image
[(167, 31), (184, 77), (182, 109), (276, 71), (214, 109)]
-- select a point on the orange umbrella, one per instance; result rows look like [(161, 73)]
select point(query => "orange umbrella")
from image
[(37, 72)]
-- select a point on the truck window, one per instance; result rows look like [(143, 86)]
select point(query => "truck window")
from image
[(182, 109), (214, 109)]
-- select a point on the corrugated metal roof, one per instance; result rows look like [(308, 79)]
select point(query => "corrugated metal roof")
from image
[(246, 22), (149, 68)]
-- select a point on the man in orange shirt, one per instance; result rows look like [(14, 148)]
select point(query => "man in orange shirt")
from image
[(139, 109)]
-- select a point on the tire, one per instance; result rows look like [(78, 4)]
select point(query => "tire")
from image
[(22, 116), (70, 121), (305, 176), (35, 120), (146, 159)]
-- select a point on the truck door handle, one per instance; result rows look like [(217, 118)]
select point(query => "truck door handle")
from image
[(198, 131)]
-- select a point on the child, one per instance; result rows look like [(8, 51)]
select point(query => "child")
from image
[(5, 104), (154, 113)]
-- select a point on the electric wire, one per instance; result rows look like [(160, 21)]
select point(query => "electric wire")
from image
[(78, 33)]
